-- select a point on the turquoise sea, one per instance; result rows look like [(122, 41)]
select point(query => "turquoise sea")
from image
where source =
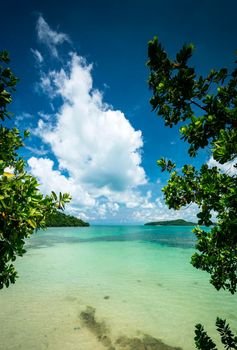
[(85, 288)]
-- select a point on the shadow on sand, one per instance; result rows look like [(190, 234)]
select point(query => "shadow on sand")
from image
[(101, 331)]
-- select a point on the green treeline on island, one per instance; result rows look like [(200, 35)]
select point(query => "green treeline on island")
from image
[(178, 222), (58, 219)]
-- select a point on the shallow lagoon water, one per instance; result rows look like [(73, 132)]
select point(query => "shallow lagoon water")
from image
[(137, 278)]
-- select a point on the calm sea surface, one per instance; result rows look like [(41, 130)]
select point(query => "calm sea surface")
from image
[(137, 279)]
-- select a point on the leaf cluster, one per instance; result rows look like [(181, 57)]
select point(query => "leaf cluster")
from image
[(204, 342), (177, 93), (206, 107), (177, 89), (8, 82)]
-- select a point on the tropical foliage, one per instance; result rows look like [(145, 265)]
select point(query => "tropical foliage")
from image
[(206, 108), (204, 342), (22, 207), (177, 222), (58, 219)]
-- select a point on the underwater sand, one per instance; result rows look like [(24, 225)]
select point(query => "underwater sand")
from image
[(135, 280)]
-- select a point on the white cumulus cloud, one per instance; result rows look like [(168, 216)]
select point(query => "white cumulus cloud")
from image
[(53, 180), (94, 143), (97, 152)]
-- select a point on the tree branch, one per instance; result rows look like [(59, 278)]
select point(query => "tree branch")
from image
[(198, 105)]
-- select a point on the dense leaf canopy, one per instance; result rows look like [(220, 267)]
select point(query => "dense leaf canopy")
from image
[(58, 219), (177, 93)]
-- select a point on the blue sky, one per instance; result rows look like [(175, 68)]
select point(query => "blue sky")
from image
[(83, 94)]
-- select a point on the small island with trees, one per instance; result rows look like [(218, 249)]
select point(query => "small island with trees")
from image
[(58, 219), (178, 222)]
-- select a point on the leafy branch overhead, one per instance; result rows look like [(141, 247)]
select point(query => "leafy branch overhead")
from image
[(177, 89), (206, 108), (22, 207)]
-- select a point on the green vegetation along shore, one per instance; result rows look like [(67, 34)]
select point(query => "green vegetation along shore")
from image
[(178, 222), (59, 219)]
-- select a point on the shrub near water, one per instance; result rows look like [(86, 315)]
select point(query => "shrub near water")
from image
[(58, 219)]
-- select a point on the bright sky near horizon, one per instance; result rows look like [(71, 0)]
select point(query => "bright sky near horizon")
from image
[(84, 96)]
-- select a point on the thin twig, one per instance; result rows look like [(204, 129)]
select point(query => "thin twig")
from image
[(198, 105)]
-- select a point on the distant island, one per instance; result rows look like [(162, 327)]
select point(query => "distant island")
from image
[(178, 222), (59, 219)]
